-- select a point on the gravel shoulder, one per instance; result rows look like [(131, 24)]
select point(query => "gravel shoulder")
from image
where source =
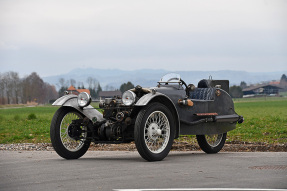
[(177, 146)]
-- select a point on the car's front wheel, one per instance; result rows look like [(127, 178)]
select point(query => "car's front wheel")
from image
[(211, 143), (68, 138), (154, 132)]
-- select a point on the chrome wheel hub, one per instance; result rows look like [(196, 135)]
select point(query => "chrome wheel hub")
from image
[(154, 131), (157, 132), (213, 140), (68, 141)]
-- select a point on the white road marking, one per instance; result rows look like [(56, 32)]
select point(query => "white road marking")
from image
[(202, 189)]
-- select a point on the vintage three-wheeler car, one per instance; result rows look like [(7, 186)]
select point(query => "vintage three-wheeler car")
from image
[(151, 117)]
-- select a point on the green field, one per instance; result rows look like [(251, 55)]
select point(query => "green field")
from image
[(265, 121)]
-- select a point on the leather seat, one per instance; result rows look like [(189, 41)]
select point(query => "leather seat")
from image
[(202, 94)]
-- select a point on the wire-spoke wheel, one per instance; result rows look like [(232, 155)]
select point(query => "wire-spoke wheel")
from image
[(154, 132), (68, 138), (211, 143), (68, 141)]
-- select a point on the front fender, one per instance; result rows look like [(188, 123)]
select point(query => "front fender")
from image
[(64, 99), (144, 100), (165, 100), (71, 101)]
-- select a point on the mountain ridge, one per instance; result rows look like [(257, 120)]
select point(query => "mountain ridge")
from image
[(150, 77)]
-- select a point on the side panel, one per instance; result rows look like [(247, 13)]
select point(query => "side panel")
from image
[(222, 105), (71, 101), (206, 128)]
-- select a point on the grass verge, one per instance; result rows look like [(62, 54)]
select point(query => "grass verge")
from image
[(265, 122)]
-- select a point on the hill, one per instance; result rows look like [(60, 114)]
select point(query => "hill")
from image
[(149, 77)]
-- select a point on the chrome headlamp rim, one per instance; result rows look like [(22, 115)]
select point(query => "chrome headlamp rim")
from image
[(128, 98), (84, 99)]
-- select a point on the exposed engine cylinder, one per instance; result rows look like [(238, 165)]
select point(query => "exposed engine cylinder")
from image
[(110, 131)]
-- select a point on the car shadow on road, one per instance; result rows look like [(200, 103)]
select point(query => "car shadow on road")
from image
[(135, 157)]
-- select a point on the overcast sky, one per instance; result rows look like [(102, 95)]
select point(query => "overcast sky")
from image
[(53, 37)]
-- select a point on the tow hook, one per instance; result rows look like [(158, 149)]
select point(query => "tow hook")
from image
[(240, 119)]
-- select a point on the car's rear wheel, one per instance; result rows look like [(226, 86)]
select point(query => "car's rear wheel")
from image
[(154, 132), (211, 143), (68, 139)]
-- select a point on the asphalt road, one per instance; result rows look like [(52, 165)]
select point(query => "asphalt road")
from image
[(112, 170)]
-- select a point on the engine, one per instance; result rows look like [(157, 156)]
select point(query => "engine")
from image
[(119, 114), (118, 123)]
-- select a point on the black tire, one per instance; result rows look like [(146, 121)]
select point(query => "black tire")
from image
[(59, 141), (147, 132), (211, 147)]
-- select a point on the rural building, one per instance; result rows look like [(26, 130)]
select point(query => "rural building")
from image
[(109, 94), (73, 90), (266, 89)]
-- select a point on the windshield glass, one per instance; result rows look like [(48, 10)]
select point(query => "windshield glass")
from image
[(170, 78)]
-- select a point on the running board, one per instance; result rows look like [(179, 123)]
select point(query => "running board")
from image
[(220, 119), (227, 118)]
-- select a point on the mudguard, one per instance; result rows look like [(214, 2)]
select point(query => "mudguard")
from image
[(71, 101), (165, 100), (144, 100)]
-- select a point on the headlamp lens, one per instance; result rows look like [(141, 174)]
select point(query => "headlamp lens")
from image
[(128, 98), (84, 99)]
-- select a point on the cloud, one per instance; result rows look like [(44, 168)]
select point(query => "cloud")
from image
[(163, 34), (6, 46)]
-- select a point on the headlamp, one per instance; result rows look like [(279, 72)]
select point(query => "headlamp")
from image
[(128, 98), (84, 99)]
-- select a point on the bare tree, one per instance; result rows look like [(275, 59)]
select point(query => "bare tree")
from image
[(2, 101), (90, 81), (31, 88), (73, 82), (62, 82), (34, 88), (51, 94), (15, 85), (6, 85)]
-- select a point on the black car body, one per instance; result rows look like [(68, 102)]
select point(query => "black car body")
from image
[(152, 117)]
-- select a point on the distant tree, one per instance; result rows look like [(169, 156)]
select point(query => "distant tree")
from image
[(2, 92), (243, 85), (283, 81), (93, 93), (98, 90), (90, 81), (13, 89), (93, 85), (62, 91), (109, 88), (3, 85), (51, 94), (236, 92), (284, 77), (73, 82), (34, 89), (126, 86), (62, 82), (15, 85)]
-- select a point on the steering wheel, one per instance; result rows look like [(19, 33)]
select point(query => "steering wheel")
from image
[(183, 82), (188, 88)]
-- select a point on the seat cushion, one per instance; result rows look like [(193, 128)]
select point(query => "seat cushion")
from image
[(202, 94)]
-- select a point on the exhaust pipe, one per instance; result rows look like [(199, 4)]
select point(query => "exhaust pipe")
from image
[(221, 119), (229, 118)]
